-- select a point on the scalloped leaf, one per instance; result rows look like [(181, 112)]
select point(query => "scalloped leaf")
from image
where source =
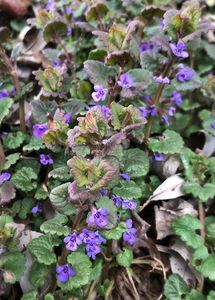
[(136, 163), (98, 72), (207, 125), (124, 258), (7, 192), (175, 288), (56, 225), (13, 141), (35, 144), (42, 248), (127, 190), (190, 85), (24, 179), (5, 105), (13, 265), (82, 267), (170, 142), (203, 193), (54, 30), (115, 233)]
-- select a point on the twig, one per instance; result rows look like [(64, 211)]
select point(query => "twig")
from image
[(109, 290), (133, 285)]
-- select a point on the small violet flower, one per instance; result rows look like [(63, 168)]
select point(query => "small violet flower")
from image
[(103, 192), (158, 156), (176, 98), (213, 125), (92, 240), (165, 119), (39, 130), (171, 111), (125, 81), (37, 209), (129, 204), (117, 200), (4, 94), (106, 111), (179, 49), (45, 159), (72, 241), (99, 93), (160, 79), (64, 272), (92, 250), (125, 176), (146, 46), (143, 111), (5, 176), (185, 74), (152, 111), (51, 5), (67, 117), (98, 217), (130, 235)]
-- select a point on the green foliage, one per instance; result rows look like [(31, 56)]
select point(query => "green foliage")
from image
[(127, 190), (115, 233), (124, 258), (42, 248), (5, 105), (30, 296), (56, 225), (39, 274), (82, 267), (175, 288), (170, 142), (105, 202), (13, 141), (35, 144), (136, 163), (203, 193), (25, 179), (13, 266), (54, 30)]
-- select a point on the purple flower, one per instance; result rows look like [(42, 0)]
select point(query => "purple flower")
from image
[(69, 31), (99, 93), (106, 111), (158, 156), (67, 117), (5, 176), (92, 250), (37, 209), (213, 125), (69, 10), (51, 5), (117, 200), (64, 272), (103, 192), (176, 98), (179, 49), (165, 119), (98, 217), (72, 241), (129, 204), (56, 63), (144, 111), (160, 79), (147, 46), (88, 236), (185, 74), (125, 81), (39, 130), (125, 176), (171, 111), (45, 159), (153, 110), (4, 94), (130, 235)]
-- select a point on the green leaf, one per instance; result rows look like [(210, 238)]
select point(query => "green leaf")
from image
[(194, 295), (95, 9), (35, 144), (13, 266), (207, 267), (82, 267), (41, 247), (39, 274), (105, 202), (124, 258), (58, 198), (56, 225), (136, 163), (98, 72), (5, 105), (211, 295), (207, 125), (61, 173), (171, 142), (54, 30), (151, 59), (41, 194), (4, 219), (13, 141), (127, 190), (10, 160), (190, 85), (175, 288), (185, 227), (30, 296), (41, 108), (203, 193), (115, 233), (210, 230), (96, 270), (49, 297), (84, 171), (23, 207), (4, 35), (25, 179)]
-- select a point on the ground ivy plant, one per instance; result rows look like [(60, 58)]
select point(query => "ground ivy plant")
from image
[(107, 173)]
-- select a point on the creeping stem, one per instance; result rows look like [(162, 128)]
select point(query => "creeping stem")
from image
[(13, 72), (157, 97)]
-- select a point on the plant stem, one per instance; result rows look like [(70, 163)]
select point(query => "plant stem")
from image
[(157, 97), (13, 72), (203, 234), (2, 155)]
